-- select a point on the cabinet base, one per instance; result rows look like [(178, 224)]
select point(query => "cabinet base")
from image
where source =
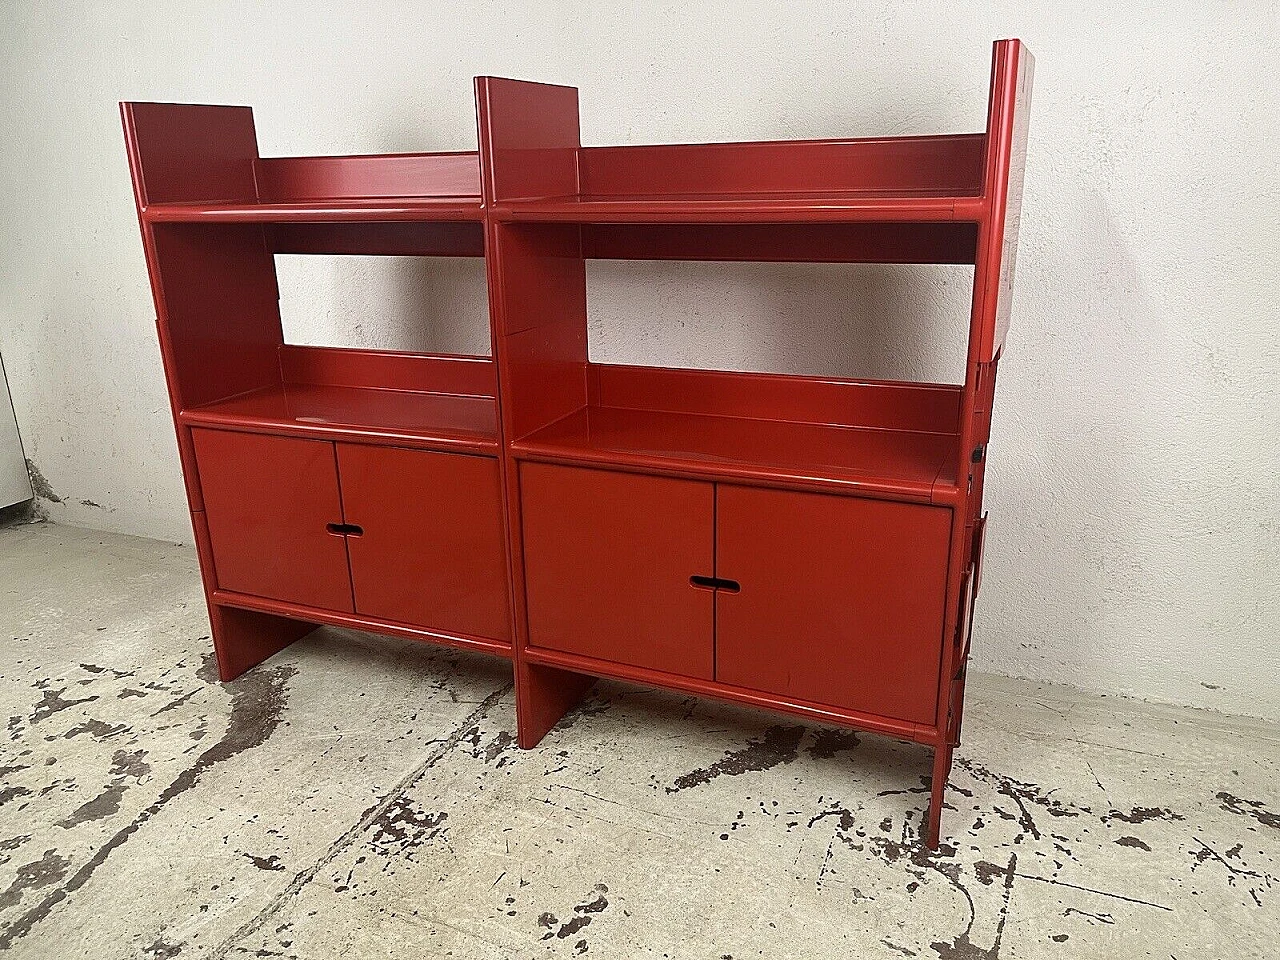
[(543, 696), (244, 638)]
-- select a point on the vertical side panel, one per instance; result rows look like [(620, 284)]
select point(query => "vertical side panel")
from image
[(268, 502), (432, 551), (529, 142), (218, 319), (1009, 114)]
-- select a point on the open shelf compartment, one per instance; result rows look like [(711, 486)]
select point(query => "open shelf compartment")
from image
[(896, 440), (919, 179), (403, 399)]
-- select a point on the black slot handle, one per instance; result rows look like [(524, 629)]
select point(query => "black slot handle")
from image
[(345, 529), (716, 583)]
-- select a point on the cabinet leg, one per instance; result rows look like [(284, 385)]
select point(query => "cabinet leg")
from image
[(244, 638), (543, 696), (941, 771)]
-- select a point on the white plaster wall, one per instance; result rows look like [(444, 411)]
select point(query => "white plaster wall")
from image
[(1134, 480)]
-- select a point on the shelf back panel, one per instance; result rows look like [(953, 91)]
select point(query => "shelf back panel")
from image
[(944, 242), (388, 370), (883, 405), (948, 165), (394, 239), (300, 179)]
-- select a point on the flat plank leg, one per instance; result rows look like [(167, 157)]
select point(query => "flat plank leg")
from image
[(543, 696), (244, 638), (937, 795)]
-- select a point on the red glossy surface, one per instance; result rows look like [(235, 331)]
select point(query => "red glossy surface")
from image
[(867, 242), (608, 557), (341, 413), (897, 464), (841, 599), (316, 211), (536, 205), (354, 621), (760, 208), (812, 712), (433, 550), (946, 165), (388, 175), (268, 501)]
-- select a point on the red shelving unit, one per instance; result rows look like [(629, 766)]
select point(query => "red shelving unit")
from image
[(806, 545)]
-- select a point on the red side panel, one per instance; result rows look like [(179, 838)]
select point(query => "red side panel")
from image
[(269, 501), (431, 551), (608, 557), (841, 599)]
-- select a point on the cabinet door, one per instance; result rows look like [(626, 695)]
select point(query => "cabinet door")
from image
[(432, 551), (841, 599), (269, 501), (608, 557)]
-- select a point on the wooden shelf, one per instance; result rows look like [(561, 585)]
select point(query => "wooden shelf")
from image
[(365, 210), (324, 411), (817, 207), (898, 464)]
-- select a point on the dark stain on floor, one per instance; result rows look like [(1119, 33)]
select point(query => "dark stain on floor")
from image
[(778, 745)]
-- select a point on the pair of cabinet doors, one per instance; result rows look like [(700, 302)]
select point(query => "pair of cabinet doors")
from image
[(829, 599), (408, 536)]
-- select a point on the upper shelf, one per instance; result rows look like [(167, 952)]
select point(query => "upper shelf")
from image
[(824, 207), (883, 179), (386, 188), (364, 210)]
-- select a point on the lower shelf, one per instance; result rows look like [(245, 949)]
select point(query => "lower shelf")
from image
[(355, 621), (323, 411), (897, 463), (813, 712)]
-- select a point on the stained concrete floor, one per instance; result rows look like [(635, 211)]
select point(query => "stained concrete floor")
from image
[(362, 797)]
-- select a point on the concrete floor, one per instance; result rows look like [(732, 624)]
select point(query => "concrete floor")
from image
[(362, 797)]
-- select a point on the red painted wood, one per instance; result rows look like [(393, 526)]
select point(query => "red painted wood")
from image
[(878, 404), (812, 712), (1012, 72), (872, 205), (608, 557), (433, 549), (889, 463), (937, 242), (536, 205), (401, 418), (239, 642), (396, 239), (949, 165), (389, 370), (841, 599), (268, 501), (390, 175), (354, 621), (316, 211)]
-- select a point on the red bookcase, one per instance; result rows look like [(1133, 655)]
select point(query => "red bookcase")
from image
[(806, 545)]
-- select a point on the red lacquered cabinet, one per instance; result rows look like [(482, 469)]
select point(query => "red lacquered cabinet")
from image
[(844, 606), (271, 505), (430, 548), (808, 545), (608, 561)]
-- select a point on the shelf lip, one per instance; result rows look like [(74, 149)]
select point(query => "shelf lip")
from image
[(356, 621), (365, 210), (928, 492), (820, 713), (847, 208), (217, 416)]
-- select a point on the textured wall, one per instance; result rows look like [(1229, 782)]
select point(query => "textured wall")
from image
[(1135, 471)]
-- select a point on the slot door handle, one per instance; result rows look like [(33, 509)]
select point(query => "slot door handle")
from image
[(345, 529), (716, 583)]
